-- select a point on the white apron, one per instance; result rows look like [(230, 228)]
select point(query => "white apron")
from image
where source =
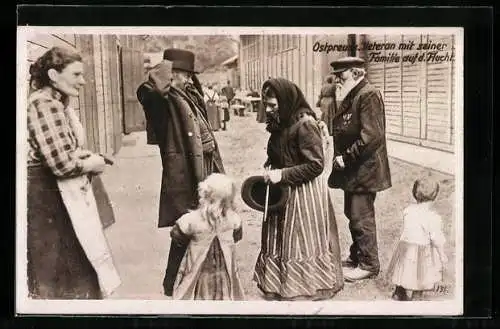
[(80, 202)]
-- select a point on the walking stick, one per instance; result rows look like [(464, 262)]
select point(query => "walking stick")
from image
[(267, 201)]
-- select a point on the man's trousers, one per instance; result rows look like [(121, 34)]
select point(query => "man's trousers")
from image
[(359, 209)]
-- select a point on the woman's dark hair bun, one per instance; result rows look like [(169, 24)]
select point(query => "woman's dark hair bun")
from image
[(56, 58)]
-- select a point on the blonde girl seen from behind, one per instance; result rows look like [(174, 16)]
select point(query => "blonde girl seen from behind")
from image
[(208, 270), (217, 195)]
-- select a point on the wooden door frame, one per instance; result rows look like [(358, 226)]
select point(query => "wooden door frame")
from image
[(131, 64), (122, 89)]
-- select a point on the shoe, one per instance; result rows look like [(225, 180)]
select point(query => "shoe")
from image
[(357, 274), (400, 294), (417, 295), (324, 295), (400, 297), (346, 270), (348, 262), (271, 296)]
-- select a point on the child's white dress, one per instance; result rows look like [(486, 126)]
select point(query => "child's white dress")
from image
[(208, 270), (415, 264)]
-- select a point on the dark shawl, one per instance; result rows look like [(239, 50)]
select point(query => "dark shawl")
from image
[(297, 147), (291, 103), (291, 100)]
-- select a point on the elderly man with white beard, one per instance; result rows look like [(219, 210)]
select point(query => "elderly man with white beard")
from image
[(360, 163)]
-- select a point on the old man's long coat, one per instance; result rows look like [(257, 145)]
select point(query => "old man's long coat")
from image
[(173, 125), (359, 137)]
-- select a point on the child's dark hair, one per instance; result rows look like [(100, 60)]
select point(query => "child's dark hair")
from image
[(425, 190), (56, 58)]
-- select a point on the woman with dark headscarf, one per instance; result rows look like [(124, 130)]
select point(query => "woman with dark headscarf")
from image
[(300, 253)]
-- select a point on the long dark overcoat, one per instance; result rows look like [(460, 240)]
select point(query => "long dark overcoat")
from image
[(359, 137), (172, 117)]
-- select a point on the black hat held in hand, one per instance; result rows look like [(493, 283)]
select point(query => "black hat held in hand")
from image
[(253, 193)]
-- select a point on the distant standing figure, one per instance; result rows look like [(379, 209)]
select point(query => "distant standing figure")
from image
[(419, 260), (211, 100), (224, 111), (327, 104), (228, 91), (209, 270)]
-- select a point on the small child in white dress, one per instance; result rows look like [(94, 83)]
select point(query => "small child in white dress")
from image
[(208, 270), (419, 259)]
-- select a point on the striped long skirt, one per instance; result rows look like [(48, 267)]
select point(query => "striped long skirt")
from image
[(300, 252)]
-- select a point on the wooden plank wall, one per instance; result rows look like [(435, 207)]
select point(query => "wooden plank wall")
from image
[(286, 56), (89, 100), (115, 91), (281, 56), (133, 75), (419, 98), (107, 92), (410, 90), (439, 97)]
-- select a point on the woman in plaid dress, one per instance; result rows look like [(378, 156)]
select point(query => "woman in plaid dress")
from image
[(58, 265), (300, 253)]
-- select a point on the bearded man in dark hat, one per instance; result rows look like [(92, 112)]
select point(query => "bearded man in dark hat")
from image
[(172, 99), (360, 164)]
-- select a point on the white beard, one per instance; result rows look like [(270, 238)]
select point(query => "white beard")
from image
[(342, 92)]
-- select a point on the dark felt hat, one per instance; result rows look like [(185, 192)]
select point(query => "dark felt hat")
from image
[(253, 193), (345, 63), (181, 59)]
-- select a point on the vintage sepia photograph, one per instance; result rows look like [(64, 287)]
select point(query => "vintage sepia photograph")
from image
[(239, 170)]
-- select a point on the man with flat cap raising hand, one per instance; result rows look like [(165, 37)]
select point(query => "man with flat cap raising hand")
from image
[(360, 164), (172, 99)]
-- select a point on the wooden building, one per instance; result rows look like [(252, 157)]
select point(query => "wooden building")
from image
[(232, 71), (107, 105), (419, 97)]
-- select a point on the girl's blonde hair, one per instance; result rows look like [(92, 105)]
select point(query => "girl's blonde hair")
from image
[(217, 193)]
